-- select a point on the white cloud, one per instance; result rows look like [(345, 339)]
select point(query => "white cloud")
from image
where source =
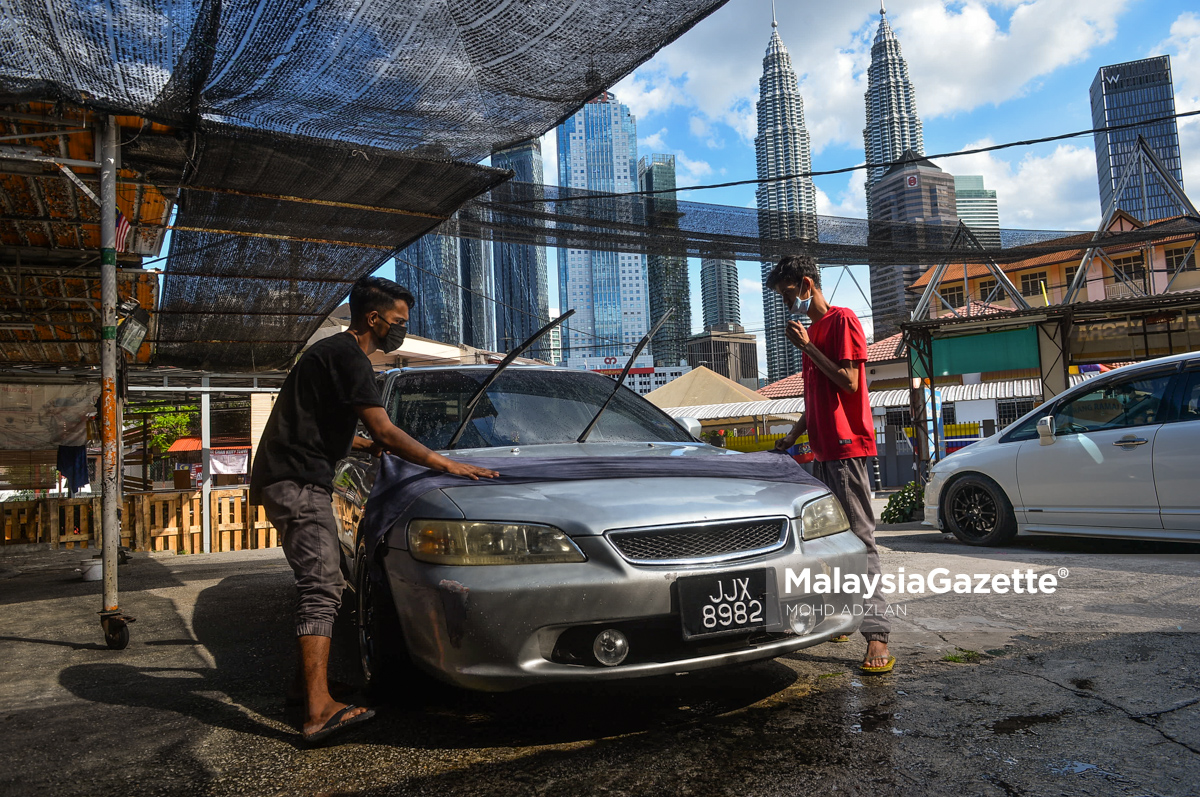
[(1056, 191), (747, 285), (1183, 45), (959, 58), (550, 157), (653, 142), (851, 201)]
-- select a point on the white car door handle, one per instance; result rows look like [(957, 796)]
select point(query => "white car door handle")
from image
[(1131, 441)]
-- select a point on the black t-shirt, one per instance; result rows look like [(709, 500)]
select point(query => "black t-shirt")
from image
[(313, 422)]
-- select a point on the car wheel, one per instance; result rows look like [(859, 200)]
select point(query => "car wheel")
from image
[(978, 512), (381, 650)]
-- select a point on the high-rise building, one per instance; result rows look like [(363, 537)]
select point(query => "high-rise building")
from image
[(522, 299), (893, 126), (429, 268), (978, 208), (475, 277), (719, 292), (1133, 92), (786, 208), (597, 151), (667, 275), (728, 350), (916, 192)]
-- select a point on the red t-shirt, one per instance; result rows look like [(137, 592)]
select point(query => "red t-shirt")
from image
[(839, 423)]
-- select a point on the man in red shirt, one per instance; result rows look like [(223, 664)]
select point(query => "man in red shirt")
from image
[(837, 417)]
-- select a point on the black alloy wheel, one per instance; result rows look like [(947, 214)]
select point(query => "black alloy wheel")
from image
[(978, 513), (381, 650)]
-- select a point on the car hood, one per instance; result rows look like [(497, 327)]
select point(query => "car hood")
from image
[(593, 507)]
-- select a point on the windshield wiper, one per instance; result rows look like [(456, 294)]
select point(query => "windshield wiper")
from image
[(624, 373), (507, 361)]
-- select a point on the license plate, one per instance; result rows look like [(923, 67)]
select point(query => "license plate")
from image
[(722, 603)]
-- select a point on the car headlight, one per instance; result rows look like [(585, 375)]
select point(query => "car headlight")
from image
[(822, 517), (466, 542)]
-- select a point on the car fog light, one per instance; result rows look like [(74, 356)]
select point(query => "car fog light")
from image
[(804, 619), (611, 647)]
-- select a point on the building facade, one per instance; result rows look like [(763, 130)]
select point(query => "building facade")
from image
[(893, 126), (477, 291), (913, 192), (1137, 91), (786, 208), (597, 151), (522, 298), (429, 267), (667, 275), (728, 350), (644, 377), (978, 208), (719, 292)]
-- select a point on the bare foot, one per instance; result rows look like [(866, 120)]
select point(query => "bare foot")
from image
[(317, 719), (877, 654)]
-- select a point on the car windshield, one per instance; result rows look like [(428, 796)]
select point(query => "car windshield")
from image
[(524, 407)]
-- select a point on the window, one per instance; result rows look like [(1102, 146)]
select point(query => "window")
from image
[(1031, 284), (985, 289), (1133, 401), (952, 296), (898, 416), (948, 413), (1175, 257), (1069, 274), (1132, 266), (1008, 410), (1189, 405)]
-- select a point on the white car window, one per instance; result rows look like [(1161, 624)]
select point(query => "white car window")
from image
[(1125, 403)]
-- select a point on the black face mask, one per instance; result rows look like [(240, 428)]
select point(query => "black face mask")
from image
[(394, 338)]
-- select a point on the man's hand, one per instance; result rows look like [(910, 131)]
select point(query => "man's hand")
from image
[(797, 334), (463, 469), (787, 441)]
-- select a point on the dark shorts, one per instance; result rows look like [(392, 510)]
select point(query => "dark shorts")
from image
[(303, 515)]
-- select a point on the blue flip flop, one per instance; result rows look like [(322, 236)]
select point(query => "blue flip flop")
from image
[(337, 723)]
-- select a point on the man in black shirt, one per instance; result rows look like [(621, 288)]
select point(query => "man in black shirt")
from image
[(311, 427)]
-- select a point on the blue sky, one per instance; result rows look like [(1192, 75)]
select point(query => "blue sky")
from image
[(984, 72)]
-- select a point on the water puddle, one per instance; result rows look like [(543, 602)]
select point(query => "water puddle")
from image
[(1023, 722)]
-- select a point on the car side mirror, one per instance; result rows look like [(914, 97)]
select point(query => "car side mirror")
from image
[(1045, 430), (691, 426)]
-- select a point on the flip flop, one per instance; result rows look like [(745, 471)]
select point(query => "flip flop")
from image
[(337, 690), (840, 638), (891, 662), (336, 723)]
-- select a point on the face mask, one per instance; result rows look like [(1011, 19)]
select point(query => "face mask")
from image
[(394, 338), (800, 306)]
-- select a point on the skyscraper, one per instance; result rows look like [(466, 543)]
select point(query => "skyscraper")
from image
[(597, 151), (786, 208), (719, 293), (475, 277), (667, 275), (1137, 91), (912, 192), (893, 126), (429, 268), (522, 300), (978, 208)]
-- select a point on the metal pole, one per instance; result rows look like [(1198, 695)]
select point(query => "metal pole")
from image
[(206, 467), (110, 499)]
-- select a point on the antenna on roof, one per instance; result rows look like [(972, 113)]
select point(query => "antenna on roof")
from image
[(882, 10), (774, 23)]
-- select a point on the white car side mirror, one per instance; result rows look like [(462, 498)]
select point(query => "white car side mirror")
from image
[(691, 426), (1045, 430)]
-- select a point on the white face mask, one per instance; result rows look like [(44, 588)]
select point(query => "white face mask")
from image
[(800, 306)]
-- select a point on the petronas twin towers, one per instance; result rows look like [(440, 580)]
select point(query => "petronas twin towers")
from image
[(787, 208)]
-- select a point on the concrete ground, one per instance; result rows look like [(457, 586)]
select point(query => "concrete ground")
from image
[(1094, 690)]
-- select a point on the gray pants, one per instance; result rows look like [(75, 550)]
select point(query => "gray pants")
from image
[(303, 514), (849, 482)]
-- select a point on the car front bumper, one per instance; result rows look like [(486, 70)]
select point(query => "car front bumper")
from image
[(495, 628)]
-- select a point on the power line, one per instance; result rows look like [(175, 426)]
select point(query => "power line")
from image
[(863, 166)]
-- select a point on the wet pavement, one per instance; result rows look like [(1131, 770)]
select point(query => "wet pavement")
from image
[(1094, 690)]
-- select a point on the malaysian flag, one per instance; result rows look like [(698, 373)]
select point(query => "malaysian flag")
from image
[(123, 230)]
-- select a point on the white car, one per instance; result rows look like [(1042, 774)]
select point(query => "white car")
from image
[(1115, 456)]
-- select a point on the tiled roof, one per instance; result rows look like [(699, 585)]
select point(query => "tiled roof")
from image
[(793, 386)]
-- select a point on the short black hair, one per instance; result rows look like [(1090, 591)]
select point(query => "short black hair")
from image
[(378, 294), (791, 269)]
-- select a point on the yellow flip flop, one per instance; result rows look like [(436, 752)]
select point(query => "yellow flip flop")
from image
[(891, 662), (840, 638)]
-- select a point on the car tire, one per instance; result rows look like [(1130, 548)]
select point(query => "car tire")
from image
[(382, 655), (977, 512)]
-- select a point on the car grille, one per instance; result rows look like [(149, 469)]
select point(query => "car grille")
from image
[(700, 542)]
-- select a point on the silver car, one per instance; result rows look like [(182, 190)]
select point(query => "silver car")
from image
[(496, 587), (1114, 456)]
